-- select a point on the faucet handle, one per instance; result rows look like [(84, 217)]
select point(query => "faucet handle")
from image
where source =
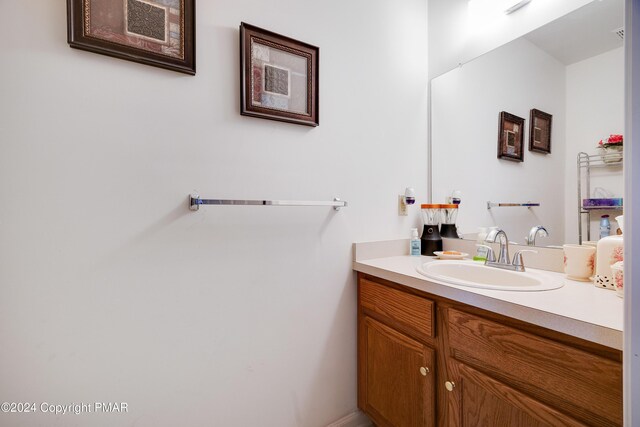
[(517, 258), (491, 256)]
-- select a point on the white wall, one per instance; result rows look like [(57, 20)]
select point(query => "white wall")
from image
[(595, 109), (466, 103), (460, 30), (112, 290)]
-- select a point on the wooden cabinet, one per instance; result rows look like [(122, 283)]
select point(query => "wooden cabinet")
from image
[(484, 369), (585, 385), (483, 401), (398, 384), (404, 310), (396, 366)]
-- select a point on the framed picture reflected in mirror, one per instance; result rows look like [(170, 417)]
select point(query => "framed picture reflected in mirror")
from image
[(540, 131), (510, 137)]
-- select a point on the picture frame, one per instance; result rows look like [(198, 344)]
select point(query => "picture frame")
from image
[(540, 131), (160, 33), (278, 77), (510, 137)]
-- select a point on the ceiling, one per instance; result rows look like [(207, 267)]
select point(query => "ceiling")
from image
[(583, 33)]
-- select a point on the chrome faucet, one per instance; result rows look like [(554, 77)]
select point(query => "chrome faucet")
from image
[(503, 256), (533, 233)]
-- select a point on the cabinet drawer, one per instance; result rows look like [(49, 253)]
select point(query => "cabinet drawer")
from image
[(583, 384), (408, 310)]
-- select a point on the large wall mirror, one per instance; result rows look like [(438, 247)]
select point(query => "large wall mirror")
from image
[(572, 69)]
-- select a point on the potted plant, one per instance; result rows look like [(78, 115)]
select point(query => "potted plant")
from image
[(611, 148)]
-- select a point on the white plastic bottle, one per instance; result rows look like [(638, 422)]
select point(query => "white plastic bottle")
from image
[(481, 254), (414, 245), (605, 226)]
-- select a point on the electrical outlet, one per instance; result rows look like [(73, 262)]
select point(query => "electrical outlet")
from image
[(402, 206)]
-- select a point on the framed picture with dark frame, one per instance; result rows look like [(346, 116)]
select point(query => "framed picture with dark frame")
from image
[(540, 131), (278, 77), (510, 137), (160, 33)]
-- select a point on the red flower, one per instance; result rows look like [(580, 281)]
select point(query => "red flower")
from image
[(613, 140)]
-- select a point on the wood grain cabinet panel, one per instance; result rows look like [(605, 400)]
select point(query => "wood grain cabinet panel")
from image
[(484, 401), (583, 384), (398, 378), (484, 369), (409, 310)]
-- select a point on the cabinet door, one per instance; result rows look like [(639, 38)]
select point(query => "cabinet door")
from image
[(396, 381), (479, 400), (585, 386)]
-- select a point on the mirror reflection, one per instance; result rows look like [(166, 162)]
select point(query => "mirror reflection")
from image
[(572, 70)]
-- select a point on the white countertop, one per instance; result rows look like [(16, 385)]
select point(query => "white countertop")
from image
[(578, 308)]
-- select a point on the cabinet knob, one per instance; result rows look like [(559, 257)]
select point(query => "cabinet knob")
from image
[(449, 385), (424, 371)]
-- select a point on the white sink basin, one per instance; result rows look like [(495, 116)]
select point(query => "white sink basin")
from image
[(477, 275)]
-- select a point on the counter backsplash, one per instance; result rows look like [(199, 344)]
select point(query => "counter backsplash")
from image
[(545, 259), (550, 259)]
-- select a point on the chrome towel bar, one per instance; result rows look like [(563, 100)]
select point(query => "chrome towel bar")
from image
[(511, 205), (195, 201)]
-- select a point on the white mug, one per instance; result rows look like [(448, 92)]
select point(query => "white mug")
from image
[(579, 262)]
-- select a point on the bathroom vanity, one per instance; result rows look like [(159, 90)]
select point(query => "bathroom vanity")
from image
[(436, 354)]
